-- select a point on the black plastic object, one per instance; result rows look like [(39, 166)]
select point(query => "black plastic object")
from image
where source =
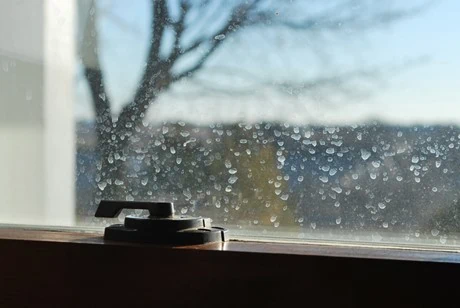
[(160, 227)]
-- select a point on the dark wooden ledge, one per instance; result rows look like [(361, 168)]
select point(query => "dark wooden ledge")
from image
[(76, 269)]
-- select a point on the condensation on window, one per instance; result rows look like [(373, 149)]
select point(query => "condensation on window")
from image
[(304, 120)]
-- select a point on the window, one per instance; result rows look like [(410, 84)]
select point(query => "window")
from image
[(300, 120)]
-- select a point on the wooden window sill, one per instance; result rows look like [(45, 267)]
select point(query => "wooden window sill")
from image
[(74, 269)]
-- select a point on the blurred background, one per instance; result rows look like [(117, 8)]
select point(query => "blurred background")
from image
[(294, 119)]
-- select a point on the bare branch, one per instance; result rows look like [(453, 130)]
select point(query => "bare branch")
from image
[(160, 16), (340, 17), (93, 73), (347, 85), (179, 27), (235, 21), (145, 92), (159, 74)]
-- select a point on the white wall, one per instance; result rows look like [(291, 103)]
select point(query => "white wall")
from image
[(37, 65)]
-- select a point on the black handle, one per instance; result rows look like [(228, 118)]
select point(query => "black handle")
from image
[(112, 209)]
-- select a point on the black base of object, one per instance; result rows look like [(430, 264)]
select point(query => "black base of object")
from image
[(183, 237), (160, 227)]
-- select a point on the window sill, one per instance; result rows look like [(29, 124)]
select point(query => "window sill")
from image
[(242, 247), (73, 269)]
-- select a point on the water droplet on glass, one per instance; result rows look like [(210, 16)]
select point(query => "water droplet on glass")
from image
[(187, 194), (337, 189), (219, 37), (435, 232), (102, 185), (365, 154)]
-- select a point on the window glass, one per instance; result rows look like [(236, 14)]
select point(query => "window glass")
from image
[(299, 120)]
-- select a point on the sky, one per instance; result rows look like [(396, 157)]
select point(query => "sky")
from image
[(417, 60)]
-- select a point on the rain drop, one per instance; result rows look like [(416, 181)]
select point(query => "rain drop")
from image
[(102, 185), (232, 179), (219, 37), (365, 154)]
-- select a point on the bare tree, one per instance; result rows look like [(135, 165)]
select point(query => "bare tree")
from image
[(200, 28)]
